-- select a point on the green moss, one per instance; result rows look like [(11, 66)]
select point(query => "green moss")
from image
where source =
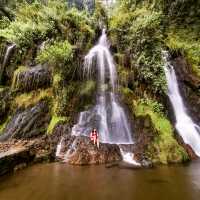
[(32, 98), (65, 100), (73, 97), (15, 76), (54, 121), (57, 79), (124, 76), (4, 22), (4, 124), (87, 88), (2, 88), (164, 149)]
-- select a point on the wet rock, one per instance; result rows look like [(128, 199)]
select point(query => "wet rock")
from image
[(113, 164), (83, 152), (32, 78), (144, 135), (12, 158), (4, 102), (28, 123), (125, 165), (189, 85), (17, 154), (20, 166), (188, 149), (146, 163)]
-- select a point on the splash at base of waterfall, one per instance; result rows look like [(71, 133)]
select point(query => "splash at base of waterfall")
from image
[(129, 158), (58, 149)]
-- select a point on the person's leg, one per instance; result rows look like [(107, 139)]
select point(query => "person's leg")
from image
[(98, 143)]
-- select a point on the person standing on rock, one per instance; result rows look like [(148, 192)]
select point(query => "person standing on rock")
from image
[(94, 136)]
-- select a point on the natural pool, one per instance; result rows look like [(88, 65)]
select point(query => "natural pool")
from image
[(62, 182)]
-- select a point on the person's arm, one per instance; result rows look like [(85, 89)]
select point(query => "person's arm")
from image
[(91, 135)]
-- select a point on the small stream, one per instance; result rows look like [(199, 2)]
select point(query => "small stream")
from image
[(62, 182)]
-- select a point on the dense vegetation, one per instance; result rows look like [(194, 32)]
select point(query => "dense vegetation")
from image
[(49, 33)]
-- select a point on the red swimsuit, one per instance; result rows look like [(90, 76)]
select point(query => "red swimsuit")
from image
[(93, 135)]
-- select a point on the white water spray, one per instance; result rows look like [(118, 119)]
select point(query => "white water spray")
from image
[(6, 58), (129, 158), (189, 131), (59, 146)]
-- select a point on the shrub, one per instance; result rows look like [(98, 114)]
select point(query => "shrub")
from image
[(54, 121), (56, 53)]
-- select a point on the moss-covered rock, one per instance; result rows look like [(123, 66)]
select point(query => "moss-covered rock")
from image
[(164, 147), (27, 79), (26, 100), (154, 132), (55, 121)]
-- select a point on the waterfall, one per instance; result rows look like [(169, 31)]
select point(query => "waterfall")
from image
[(6, 58), (107, 116), (108, 3), (58, 149), (189, 131)]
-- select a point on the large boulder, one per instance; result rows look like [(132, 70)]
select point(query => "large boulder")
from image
[(81, 151), (16, 154)]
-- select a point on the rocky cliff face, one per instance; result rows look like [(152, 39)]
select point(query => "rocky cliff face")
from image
[(28, 123)]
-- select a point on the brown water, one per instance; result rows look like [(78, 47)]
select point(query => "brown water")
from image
[(61, 182)]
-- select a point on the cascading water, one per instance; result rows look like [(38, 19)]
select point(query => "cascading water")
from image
[(189, 131), (108, 3), (58, 149), (6, 58), (108, 116)]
